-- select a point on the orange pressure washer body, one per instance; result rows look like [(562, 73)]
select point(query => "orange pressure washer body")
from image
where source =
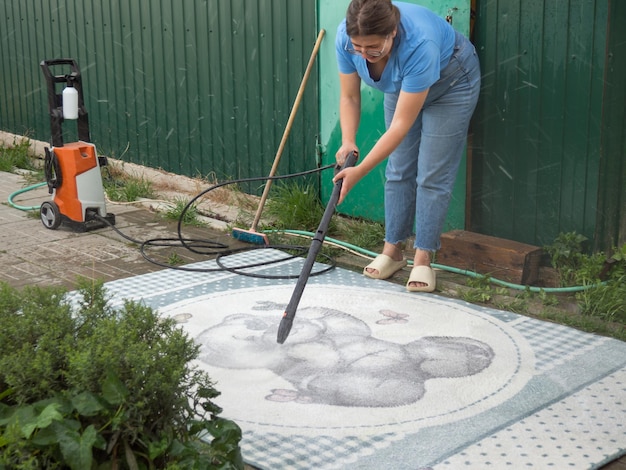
[(81, 187)]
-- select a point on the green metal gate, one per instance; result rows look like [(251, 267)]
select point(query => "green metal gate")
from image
[(366, 199)]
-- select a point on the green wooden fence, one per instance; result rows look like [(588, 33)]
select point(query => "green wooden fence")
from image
[(195, 87)]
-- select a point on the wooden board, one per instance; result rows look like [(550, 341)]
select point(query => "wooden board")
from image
[(499, 258)]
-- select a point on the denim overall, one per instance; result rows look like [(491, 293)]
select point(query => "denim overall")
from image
[(421, 171)]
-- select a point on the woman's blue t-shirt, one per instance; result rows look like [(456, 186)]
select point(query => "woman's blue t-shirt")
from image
[(421, 49)]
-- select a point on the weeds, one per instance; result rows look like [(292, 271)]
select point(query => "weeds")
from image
[(602, 304), (189, 217), (362, 233), (518, 304), (121, 187), (296, 206), (606, 301), (547, 299), (605, 297), (573, 266), (480, 290), (16, 156), (174, 259)]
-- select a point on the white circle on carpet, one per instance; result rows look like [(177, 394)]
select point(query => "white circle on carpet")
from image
[(357, 360)]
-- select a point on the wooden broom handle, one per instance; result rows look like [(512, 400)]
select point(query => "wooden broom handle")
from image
[(292, 116)]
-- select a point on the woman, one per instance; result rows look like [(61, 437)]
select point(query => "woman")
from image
[(430, 77)]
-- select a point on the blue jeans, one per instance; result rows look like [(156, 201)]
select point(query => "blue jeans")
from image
[(421, 171)]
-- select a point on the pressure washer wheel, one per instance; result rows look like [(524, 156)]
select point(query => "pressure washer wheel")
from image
[(50, 215)]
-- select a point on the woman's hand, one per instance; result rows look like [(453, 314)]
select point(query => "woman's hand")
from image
[(350, 177), (344, 151)]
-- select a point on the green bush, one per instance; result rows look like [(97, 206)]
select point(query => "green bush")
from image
[(85, 386)]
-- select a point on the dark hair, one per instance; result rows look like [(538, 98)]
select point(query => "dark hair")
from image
[(371, 18)]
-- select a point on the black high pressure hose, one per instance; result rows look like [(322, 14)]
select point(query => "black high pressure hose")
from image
[(221, 250)]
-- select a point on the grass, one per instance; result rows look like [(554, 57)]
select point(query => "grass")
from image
[(189, 217), (121, 187), (174, 259), (586, 323), (584, 311), (296, 206), (17, 156), (607, 301), (230, 194), (362, 233), (293, 206)]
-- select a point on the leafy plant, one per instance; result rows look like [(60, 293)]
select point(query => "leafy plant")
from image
[(84, 385), (566, 255), (480, 290), (616, 264), (547, 299), (174, 259), (573, 265), (606, 300)]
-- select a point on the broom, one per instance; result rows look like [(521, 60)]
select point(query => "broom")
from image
[(252, 236)]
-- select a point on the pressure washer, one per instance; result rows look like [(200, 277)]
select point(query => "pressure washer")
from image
[(72, 170)]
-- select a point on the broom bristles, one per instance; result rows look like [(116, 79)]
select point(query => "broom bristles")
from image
[(250, 236)]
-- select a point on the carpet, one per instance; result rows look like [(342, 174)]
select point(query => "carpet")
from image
[(374, 377)]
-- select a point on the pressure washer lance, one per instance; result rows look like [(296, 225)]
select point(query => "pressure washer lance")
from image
[(290, 312)]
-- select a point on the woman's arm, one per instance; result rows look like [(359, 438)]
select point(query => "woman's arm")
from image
[(407, 109), (349, 113)]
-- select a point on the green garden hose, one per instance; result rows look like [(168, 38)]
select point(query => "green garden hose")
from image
[(359, 250), (21, 191), (465, 272)]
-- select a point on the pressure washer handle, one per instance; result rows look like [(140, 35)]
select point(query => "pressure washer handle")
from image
[(349, 161), (55, 100), (290, 312)]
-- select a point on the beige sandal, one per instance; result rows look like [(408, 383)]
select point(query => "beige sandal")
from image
[(385, 265), (425, 275)]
